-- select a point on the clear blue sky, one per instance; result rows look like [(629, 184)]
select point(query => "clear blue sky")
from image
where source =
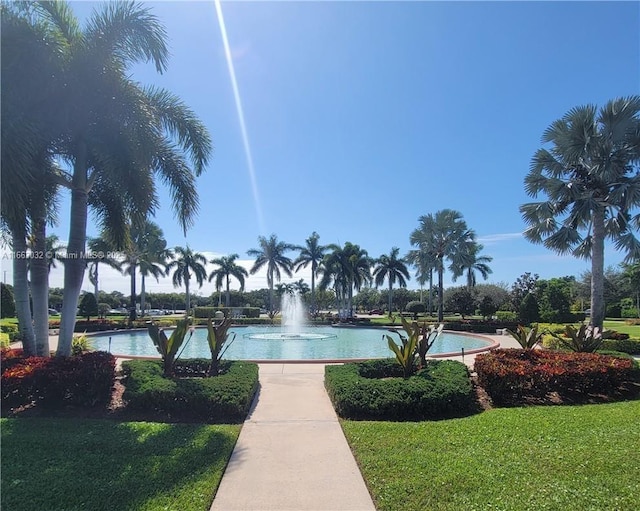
[(363, 116)]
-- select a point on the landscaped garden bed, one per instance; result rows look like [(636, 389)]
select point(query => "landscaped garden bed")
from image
[(190, 395), (377, 390), (515, 376)]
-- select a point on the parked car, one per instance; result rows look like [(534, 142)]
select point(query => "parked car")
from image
[(53, 312), (376, 311)]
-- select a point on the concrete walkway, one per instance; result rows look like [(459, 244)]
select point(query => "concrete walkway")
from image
[(291, 453)]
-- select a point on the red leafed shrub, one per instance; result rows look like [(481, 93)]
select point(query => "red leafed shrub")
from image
[(83, 380), (513, 375)]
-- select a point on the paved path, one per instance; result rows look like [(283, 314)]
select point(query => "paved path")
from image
[(291, 453)]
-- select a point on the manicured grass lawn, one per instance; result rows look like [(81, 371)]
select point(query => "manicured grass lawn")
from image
[(536, 458), (622, 327), (69, 464)]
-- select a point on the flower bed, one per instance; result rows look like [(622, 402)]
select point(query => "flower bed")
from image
[(83, 380), (510, 376)]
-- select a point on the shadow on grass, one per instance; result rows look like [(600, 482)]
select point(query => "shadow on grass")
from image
[(68, 464)]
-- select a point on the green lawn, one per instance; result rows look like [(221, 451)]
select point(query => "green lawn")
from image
[(622, 327), (537, 458), (68, 464)]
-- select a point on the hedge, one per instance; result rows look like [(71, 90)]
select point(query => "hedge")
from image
[(83, 380), (511, 376), (209, 312), (376, 390), (190, 396)]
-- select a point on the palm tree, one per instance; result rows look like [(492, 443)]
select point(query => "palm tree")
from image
[(424, 264), (187, 264), (116, 134), (348, 268), (391, 268), (470, 262), (227, 269), (147, 250), (101, 252), (312, 253), (30, 58), (271, 254), (591, 179), (443, 236)]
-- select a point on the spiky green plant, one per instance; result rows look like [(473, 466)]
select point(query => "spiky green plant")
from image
[(168, 347), (586, 339), (528, 338), (417, 341), (217, 336), (428, 336)]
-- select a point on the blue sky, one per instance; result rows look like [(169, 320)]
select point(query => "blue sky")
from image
[(363, 116)]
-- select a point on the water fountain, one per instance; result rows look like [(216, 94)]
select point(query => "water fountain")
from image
[(293, 321)]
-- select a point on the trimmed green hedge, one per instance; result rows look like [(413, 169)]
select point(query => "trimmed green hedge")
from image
[(223, 398), (376, 390), (209, 312)]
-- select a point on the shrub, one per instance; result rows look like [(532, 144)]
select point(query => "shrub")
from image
[(7, 301), (631, 346), (585, 339), (376, 390), (223, 398), (528, 338), (511, 376), (80, 344), (506, 316), (84, 380), (208, 312), (415, 308), (4, 340), (168, 347)]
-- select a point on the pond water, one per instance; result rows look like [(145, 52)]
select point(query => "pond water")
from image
[(274, 343)]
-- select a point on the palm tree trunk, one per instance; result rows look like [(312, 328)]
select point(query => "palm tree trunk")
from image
[(40, 287), (430, 292), (227, 297), (21, 291), (390, 297), (142, 293), (440, 295), (75, 263), (95, 279), (132, 304), (597, 270), (188, 297), (313, 289)]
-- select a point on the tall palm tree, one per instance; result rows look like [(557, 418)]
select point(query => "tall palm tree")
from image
[(312, 253), (272, 255), (147, 250), (30, 58), (116, 135), (348, 268), (227, 269), (591, 178), (391, 268), (101, 252), (187, 264), (425, 264), (470, 262), (443, 237)]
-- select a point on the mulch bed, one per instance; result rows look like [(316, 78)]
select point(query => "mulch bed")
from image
[(117, 409)]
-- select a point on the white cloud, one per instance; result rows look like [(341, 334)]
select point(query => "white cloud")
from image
[(491, 239), (110, 279)]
